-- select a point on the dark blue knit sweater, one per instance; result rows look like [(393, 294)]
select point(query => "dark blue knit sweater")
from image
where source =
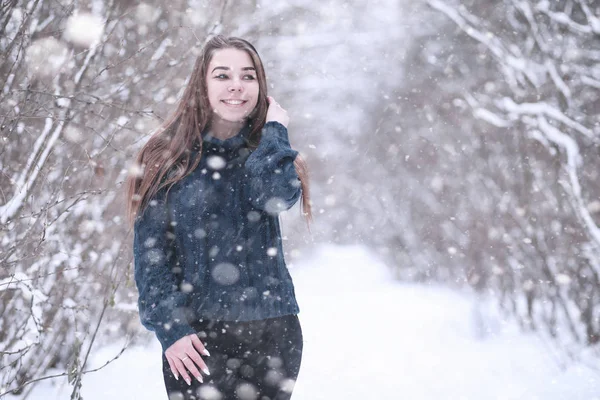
[(213, 248)]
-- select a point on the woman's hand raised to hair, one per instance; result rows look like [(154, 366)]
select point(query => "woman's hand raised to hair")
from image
[(276, 113), (184, 356)]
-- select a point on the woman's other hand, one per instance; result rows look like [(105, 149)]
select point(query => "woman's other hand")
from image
[(184, 356), (276, 113)]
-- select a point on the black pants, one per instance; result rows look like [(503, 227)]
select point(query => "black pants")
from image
[(253, 360)]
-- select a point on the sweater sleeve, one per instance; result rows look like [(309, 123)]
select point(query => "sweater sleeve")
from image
[(273, 183), (161, 304)]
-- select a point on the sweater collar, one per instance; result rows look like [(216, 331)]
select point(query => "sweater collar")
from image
[(231, 144)]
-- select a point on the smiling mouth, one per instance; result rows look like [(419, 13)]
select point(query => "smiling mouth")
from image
[(234, 102)]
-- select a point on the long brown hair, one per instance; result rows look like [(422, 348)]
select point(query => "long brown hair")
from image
[(166, 157)]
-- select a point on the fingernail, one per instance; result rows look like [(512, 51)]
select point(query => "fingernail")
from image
[(199, 377), (176, 377), (188, 381), (205, 370), (206, 353)]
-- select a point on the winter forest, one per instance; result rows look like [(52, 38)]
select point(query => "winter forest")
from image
[(454, 140)]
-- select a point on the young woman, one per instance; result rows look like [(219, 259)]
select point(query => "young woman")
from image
[(209, 267)]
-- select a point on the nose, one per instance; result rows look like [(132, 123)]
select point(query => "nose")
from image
[(235, 86)]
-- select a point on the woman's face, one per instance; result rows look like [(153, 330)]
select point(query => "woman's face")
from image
[(232, 85)]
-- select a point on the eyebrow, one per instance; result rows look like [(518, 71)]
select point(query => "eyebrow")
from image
[(227, 69)]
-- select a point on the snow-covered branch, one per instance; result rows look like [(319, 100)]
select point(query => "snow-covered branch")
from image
[(551, 46)]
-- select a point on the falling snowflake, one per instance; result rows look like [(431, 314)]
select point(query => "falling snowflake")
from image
[(208, 392), (563, 279), (200, 233), (84, 29), (46, 57), (246, 391), (226, 273), (216, 162), (186, 287), (146, 14), (275, 205), (253, 216)]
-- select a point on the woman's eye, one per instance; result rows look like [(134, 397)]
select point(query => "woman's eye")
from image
[(224, 76)]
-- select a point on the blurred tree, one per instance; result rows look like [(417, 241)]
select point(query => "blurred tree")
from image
[(539, 101), (81, 84)]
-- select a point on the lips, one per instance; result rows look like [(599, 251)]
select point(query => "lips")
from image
[(234, 102)]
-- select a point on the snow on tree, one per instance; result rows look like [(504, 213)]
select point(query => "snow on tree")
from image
[(542, 94)]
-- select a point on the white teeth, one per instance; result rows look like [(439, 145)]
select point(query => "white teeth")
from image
[(233, 102)]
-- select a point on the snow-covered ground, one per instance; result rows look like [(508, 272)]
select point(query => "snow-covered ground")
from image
[(368, 337)]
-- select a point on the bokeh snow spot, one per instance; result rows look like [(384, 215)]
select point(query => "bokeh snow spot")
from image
[(150, 242), (246, 391), (272, 251), (209, 392), (146, 14), (84, 29), (287, 385), (246, 371), (154, 256), (73, 134), (275, 205), (45, 57), (186, 287), (563, 279), (225, 273), (196, 16), (273, 377), (233, 363), (200, 233), (213, 251), (275, 362), (528, 285), (253, 216), (216, 162)]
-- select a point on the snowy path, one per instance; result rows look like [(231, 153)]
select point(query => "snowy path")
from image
[(367, 337), (377, 339)]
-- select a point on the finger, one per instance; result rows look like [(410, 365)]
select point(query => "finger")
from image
[(189, 364), (199, 345), (182, 370), (173, 369), (195, 357)]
